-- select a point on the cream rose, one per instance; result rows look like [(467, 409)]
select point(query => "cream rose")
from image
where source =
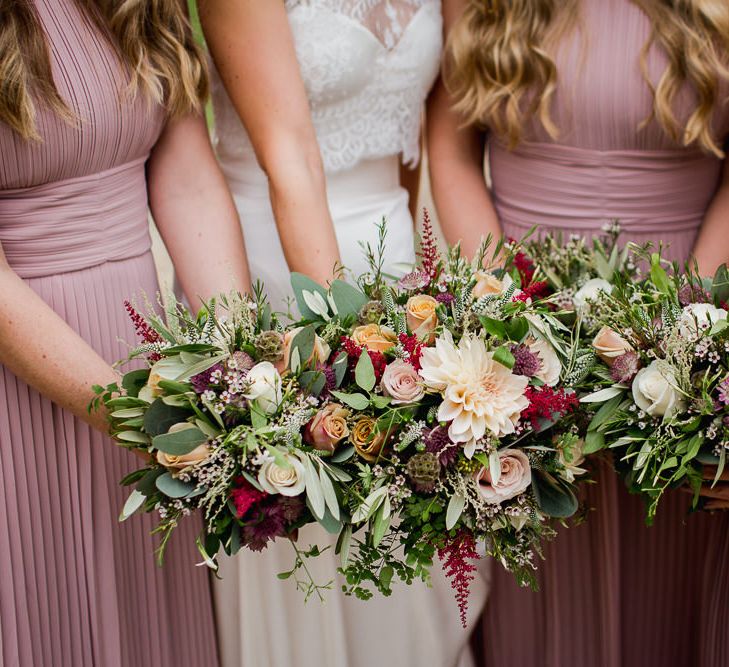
[(551, 367), (487, 284), (699, 317), (654, 390), (288, 481), (610, 345), (367, 442), (516, 476), (328, 428), (401, 382), (177, 463), (264, 387), (374, 337), (421, 316), (319, 354), (589, 292)]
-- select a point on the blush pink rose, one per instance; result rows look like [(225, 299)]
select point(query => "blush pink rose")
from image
[(610, 345), (401, 382), (328, 428), (516, 476)]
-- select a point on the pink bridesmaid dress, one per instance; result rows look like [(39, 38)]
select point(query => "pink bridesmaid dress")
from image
[(614, 593), (77, 589)]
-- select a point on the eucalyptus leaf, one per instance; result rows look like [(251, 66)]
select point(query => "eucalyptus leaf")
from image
[(604, 394), (200, 367), (340, 367), (343, 545), (160, 417), (312, 382), (133, 436), (553, 496), (314, 491), (381, 522), (132, 504), (370, 505), (720, 285), (147, 485), (179, 443), (455, 509), (348, 299), (364, 372), (301, 283), (304, 342), (173, 487), (133, 381), (330, 495), (355, 401), (594, 442), (342, 454)]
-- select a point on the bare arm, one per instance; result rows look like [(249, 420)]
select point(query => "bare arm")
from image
[(410, 180), (712, 245), (252, 45), (41, 349), (456, 157), (195, 213)]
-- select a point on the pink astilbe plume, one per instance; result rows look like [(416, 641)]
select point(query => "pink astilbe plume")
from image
[(457, 557), (429, 249), (144, 331)]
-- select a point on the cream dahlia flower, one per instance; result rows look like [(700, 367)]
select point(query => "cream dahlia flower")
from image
[(479, 394)]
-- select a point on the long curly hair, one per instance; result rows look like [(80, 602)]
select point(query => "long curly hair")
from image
[(500, 71), (153, 40)]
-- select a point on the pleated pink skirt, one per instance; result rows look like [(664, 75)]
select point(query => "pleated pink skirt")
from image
[(78, 589)]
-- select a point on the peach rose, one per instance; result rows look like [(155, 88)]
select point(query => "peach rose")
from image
[(401, 382), (487, 284), (610, 345), (366, 440), (177, 463), (516, 476), (374, 337), (319, 355), (421, 317), (328, 428)]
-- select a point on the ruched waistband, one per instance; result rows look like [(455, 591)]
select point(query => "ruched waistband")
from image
[(76, 223), (578, 189)]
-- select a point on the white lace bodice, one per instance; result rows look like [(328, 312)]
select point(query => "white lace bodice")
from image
[(367, 66)]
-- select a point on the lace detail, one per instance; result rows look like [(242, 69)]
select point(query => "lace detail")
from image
[(367, 66)]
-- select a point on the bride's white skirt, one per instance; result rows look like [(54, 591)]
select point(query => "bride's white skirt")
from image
[(262, 620)]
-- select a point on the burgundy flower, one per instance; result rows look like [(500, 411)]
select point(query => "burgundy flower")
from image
[(457, 556), (526, 362), (439, 443), (625, 367)]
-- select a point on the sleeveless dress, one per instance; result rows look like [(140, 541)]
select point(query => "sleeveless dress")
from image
[(614, 593), (78, 589), (367, 66)]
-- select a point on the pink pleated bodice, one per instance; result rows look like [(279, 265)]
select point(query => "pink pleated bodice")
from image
[(603, 165), (77, 198)]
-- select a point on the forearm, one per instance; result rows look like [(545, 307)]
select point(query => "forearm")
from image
[(298, 196), (195, 213), (712, 245), (43, 351)]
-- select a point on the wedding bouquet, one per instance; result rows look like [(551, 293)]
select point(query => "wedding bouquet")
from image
[(220, 419), (453, 416), (662, 381)]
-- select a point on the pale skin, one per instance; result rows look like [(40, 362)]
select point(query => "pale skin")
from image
[(197, 218), (467, 213)]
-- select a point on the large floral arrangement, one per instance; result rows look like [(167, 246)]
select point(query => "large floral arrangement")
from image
[(662, 381), (416, 419)]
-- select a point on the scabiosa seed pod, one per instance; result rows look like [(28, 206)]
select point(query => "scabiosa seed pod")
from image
[(371, 312), (423, 470), (241, 361), (625, 367), (437, 442), (269, 346), (526, 363)]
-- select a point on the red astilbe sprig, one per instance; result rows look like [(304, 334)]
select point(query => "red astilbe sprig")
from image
[(429, 253), (457, 556), (144, 331), (413, 347), (525, 267), (534, 291), (547, 403), (379, 361), (245, 496)]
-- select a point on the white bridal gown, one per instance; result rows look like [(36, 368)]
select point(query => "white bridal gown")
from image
[(367, 66)]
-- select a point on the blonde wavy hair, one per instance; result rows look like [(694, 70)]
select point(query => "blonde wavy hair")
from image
[(152, 38), (500, 71)]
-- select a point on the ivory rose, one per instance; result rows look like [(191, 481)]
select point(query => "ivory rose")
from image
[(374, 337), (328, 428), (699, 317), (655, 392), (319, 355), (177, 463), (264, 386), (401, 382), (589, 292), (366, 440), (516, 476), (610, 345), (288, 481), (551, 367), (421, 316)]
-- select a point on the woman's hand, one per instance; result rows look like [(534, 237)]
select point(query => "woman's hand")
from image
[(712, 246), (717, 495)]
